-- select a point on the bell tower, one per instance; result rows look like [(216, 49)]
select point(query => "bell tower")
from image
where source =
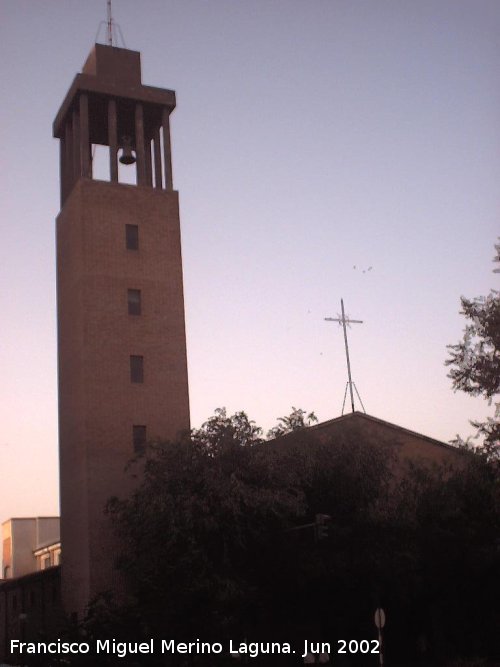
[(121, 333)]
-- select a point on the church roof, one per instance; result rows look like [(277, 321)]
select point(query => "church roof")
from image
[(366, 420), (408, 447)]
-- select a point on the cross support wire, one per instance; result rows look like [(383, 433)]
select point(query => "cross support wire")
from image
[(345, 322)]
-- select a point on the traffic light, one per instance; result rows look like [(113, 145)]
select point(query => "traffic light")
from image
[(321, 526)]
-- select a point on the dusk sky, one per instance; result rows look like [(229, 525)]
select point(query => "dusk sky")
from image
[(312, 140)]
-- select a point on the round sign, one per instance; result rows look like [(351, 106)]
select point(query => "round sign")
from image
[(379, 618)]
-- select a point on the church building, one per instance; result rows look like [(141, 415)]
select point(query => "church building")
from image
[(121, 341)]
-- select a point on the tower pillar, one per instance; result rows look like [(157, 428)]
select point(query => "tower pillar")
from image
[(112, 141), (84, 169), (167, 158)]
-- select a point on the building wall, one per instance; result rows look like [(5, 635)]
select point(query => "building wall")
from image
[(48, 556), (30, 609), (20, 538), (6, 549), (98, 403), (47, 530)]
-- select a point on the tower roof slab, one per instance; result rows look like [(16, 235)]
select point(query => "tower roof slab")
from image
[(112, 72)]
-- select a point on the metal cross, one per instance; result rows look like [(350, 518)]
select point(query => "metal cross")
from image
[(347, 321)]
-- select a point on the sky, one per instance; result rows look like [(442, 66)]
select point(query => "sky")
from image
[(312, 140)]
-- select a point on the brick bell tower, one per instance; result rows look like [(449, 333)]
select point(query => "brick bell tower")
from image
[(121, 332)]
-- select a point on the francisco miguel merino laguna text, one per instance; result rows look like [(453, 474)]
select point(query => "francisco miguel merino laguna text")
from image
[(122, 649)]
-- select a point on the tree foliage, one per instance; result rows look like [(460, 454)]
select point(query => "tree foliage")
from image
[(194, 532), (222, 432), (475, 361), (295, 421), (448, 561), (219, 541)]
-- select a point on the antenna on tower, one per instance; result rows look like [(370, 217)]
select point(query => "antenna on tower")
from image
[(110, 25), (113, 29)]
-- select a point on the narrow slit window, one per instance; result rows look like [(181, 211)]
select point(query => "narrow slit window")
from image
[(139, 438), (136, 369), (132, 237), (134, 301)]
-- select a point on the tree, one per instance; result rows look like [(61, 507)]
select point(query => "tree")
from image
[(218, 542), (295, 421), (220, 432), (444, 572), (475, 360), (207, 548), (209, 514), (217, 539)]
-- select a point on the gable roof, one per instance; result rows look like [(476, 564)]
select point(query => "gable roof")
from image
[(362, 418), (404, 447)]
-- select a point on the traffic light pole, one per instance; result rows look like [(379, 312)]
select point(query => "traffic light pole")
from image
[(320, 525)]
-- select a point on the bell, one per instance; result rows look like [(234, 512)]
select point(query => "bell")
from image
[(127, 156)]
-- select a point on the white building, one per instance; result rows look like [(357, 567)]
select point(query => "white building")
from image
[(30, 544)]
